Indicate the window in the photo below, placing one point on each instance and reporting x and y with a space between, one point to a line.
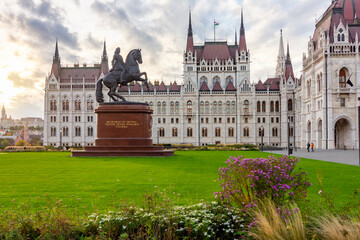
233 107
164 108
77 118
258 106
274 132
217 132
90 118
174 132
202 107
65 118
228 120
177 107
277 106
53 119
207 120
214 107
207 107
77 104
259 120
263 106
342 102
164 120
177 120
158 107
65 104
90 104
246 106
342 78
220 120
53 104
233 120
246 120
77 131
231 132
53 131
189 132
202 120
204 132
308 88
272 120
220 108
161 132
159 120
90 131
189 120
290 105
172 120
215 120
65 131
263 120
228 107
189 107
172 107
151 105
291 131
246 132
277 120
272 106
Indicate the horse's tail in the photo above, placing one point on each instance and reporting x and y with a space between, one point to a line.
99 93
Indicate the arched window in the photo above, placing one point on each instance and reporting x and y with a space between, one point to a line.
342 78
174 132
233 107
231 132
151 105
277 106
90 131
272 106
53 104
77 104
65 104
263 106
65 132
159 107
189 107
228 107
77 131
53 131
338 37
214 107
220 108
246 132
172 105
290 105
177 107
343 37
217 132
291 131
204 132
161 132
246 106
228 80
207 107
203 79
90 104
164 107
274 132
189 132
202 107
215 80
258 106
308 88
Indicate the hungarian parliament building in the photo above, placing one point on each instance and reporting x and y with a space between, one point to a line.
217 103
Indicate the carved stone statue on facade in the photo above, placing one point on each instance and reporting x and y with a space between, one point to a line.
121 74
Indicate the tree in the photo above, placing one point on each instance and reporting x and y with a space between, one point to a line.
21 143
5 143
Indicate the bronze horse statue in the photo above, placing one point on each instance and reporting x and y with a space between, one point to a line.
132 73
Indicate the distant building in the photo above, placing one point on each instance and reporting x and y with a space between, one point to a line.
216 101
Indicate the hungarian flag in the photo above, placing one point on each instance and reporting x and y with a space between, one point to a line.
215 23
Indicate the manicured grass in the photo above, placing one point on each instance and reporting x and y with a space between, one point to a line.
101 183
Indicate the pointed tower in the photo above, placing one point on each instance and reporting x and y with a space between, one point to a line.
3 113
26 133
190 40
55 69
104 61
242 40
288 66
280 63
236 42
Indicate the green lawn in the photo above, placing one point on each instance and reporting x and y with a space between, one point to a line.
100 183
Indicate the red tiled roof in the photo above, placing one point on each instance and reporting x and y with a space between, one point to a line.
289 72
275 85
174 87
80 72
161 87
123 89
216 50
217 87
230 87
204 87
145 89
270 80
135 88
242 43
260 86
190 44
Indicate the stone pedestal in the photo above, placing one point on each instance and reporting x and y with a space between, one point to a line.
123 129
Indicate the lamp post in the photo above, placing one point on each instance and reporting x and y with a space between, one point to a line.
158 136
60 138
262 138
288 127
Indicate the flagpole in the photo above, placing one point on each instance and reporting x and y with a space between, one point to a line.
214 30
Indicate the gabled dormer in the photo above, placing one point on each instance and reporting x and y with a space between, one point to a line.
341 32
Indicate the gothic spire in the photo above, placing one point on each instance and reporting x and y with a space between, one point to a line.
56 58
289 72
242 40
190 40
3 112
281 54
280 65
288 60
235 37
104 57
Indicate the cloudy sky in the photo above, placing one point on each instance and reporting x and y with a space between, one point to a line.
29 29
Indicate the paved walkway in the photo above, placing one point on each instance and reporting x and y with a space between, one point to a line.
339 156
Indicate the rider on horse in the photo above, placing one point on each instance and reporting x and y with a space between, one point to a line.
118 65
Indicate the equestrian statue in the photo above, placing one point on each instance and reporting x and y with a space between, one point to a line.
121 74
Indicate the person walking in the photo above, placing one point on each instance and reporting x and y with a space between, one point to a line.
308 146
312 146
